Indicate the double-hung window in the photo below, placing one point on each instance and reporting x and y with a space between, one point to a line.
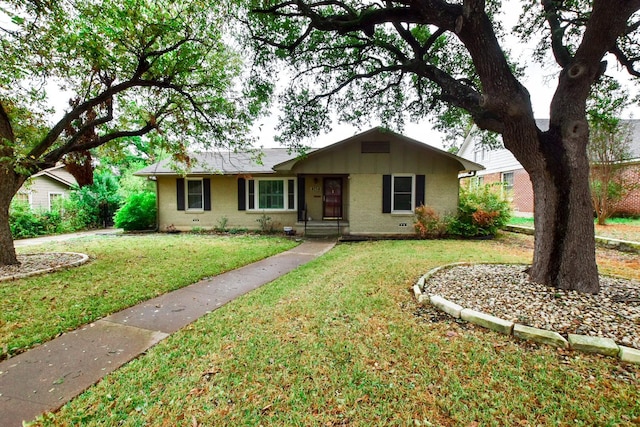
54 199
507 181
195 194
403 190
271 194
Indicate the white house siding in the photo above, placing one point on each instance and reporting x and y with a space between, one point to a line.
39 188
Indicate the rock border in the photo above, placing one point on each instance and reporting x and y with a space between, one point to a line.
583 343
84 258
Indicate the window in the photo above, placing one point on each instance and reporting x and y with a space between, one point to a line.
21 198
479 153
507 181
271 194
54 200
402 191
477 181
195 194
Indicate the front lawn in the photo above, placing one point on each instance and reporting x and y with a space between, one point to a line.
341 341
124 270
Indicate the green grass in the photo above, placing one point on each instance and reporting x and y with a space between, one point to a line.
615 228
341 341
626 221
635 222
524 221
123 271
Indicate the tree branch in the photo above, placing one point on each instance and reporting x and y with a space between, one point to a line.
560 51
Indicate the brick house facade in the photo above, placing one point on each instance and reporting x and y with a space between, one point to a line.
501 166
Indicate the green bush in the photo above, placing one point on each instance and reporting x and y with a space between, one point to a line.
24 222
481 212
96 204
138 212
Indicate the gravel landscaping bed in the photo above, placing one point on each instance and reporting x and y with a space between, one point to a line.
505 291
31 264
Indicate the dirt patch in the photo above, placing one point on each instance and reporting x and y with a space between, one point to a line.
619 231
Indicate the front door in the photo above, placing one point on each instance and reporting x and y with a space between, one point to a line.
332 198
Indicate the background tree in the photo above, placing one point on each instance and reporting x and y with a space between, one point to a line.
609 147
389 59
131 67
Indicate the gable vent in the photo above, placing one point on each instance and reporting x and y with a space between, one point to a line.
374 147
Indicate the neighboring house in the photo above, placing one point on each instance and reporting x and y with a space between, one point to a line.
368 184
43 188
501 166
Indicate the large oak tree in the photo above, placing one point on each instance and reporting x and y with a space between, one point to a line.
130 68
420 57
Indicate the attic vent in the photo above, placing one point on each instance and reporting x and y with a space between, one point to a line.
374 147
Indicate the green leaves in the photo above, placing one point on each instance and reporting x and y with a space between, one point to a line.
131 67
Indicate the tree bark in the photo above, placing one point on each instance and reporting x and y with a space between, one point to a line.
7 250
10 182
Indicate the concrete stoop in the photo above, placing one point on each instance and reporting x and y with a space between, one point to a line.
583 343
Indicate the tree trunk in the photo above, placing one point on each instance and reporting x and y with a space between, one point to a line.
10 182
564 254
557 163
7 250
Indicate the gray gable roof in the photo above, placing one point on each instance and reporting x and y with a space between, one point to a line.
227 163
273 160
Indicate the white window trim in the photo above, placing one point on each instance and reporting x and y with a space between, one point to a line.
393 192
51 193
256 195
186 195
513 179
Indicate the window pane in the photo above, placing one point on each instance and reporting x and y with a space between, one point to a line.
194 194
402 193
271 194
507 179
402 202
402 184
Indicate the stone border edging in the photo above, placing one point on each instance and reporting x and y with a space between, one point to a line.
84 258
583 343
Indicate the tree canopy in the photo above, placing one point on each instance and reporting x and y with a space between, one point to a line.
130 68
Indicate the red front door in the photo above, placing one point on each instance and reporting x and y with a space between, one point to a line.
332 198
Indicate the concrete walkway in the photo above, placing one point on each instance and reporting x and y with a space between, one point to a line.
46 377
22 243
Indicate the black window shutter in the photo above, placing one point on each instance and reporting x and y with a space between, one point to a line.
419 190
386 193
242 194
301 198
206 187
180 193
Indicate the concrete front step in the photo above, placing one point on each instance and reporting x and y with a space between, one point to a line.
324 228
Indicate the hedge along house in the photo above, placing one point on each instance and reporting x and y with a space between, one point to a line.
368 184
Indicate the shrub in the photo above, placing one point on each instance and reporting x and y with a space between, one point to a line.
481 212
96 203
428 224
23 222
138 212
